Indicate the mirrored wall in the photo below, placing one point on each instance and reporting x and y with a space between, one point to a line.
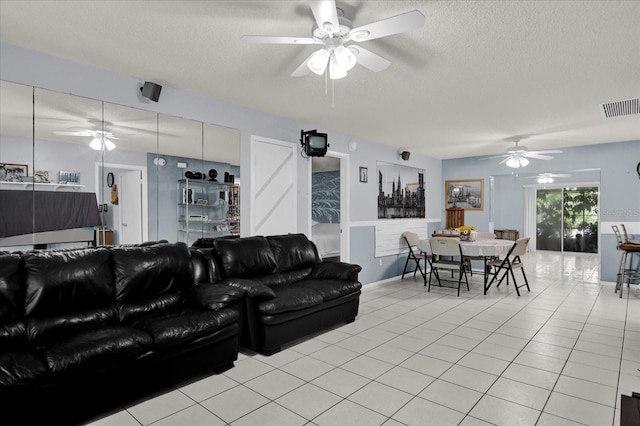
78 171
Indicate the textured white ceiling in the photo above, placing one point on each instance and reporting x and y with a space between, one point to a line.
477 74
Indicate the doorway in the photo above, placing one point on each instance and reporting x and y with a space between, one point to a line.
328 206
567 219
136 207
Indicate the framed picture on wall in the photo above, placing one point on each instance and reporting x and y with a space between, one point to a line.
467 194
364 174
13 172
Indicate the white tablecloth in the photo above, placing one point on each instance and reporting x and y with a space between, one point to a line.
482 247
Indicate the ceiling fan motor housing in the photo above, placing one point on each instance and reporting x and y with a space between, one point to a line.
322 34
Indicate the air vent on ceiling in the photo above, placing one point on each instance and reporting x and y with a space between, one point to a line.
620 108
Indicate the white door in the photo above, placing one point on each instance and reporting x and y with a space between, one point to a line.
274 187
130 202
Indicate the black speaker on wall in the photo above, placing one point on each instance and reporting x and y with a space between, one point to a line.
151 91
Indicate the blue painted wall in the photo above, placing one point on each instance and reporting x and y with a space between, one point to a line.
611 165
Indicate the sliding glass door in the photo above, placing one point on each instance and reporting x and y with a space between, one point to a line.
567 219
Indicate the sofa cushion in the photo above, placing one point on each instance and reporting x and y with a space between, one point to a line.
245 257
43 330
11 289
290 298
64 281
96 349
20 368
283 278
145 272
332 289
184 326
293 251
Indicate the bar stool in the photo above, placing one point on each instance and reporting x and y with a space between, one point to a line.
629 274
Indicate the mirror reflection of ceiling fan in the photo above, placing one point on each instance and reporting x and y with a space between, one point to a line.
544 178
334 31
100 140
517 156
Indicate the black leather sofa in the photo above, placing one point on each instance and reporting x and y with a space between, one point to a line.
83 331
291 293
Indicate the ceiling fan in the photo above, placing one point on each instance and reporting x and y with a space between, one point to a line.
544 178
517 155
100 141
334 31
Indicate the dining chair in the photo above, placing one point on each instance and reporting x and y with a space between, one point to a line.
481 236
510 262
415 255
447 254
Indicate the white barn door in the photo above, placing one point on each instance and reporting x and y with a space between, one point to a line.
274 203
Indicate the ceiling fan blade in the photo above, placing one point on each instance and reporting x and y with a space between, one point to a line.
551 151
495 156
324 11
537 156
505 160
259 39
73 133
386 27
303 68
370 60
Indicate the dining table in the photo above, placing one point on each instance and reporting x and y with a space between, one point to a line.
487 248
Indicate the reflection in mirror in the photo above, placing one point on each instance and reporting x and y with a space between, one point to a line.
16 162
123 184
65 129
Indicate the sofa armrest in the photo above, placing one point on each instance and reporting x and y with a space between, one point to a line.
336 271
250 287
215 296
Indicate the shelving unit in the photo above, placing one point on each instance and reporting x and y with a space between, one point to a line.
207 209
40 186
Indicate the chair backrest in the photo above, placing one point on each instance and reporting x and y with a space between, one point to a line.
520 246
411 238
486 236
625 236
617 232
445 246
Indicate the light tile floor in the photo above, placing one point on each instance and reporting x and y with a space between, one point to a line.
559 355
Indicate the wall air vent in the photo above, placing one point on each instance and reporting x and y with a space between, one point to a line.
620 108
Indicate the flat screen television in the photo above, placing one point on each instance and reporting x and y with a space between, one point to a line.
314 143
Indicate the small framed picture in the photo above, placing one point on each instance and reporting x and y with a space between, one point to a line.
364 174
13 172
41 176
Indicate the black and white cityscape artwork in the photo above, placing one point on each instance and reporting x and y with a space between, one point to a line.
400 191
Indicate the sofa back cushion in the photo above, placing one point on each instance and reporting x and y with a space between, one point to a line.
293 251
11 288
245 257
65 281
151 278
67 290
12 329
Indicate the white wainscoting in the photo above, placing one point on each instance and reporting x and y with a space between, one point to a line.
389 239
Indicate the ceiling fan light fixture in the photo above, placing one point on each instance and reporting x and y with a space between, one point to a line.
109 145
98 145
516 162
95 144
545 179
345 57
318 61
336 71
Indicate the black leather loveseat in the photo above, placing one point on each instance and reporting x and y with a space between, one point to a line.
85 330
291 292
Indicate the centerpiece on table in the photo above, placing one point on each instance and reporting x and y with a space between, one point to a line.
468 233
